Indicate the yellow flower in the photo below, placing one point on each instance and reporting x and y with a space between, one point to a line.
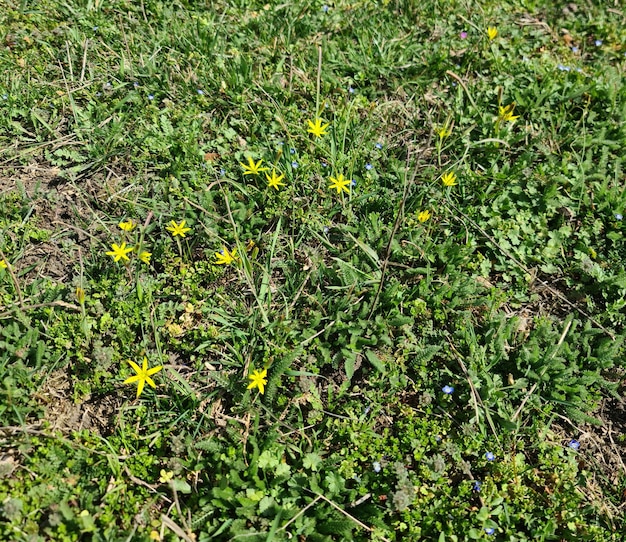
448 179
275 181
145 256
166 476
225 257
505 114
154 535
424 216
119 252
143 375
258 380
129 225
3 264
177 229
492 32
316 128
252 168
340 184
444 132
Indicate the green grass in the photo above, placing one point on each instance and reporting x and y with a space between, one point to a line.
443 362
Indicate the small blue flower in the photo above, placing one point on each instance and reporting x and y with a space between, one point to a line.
598 43
150 97
618 216
477 486
292 151
368 166
95 28
489 530
376 466
294 164
135 84
324 164
489 456
5 97
200 91
326 229
222 172
98 93
563 68
379 145
280 143
448 390
107 85
350 90
325 8
574 444
352 182
574 49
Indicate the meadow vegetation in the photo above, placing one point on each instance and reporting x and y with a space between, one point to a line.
305 271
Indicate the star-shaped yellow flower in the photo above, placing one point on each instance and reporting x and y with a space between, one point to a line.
444 132
424 216
129 225
506 113
492 32
316 128
177 229
119 252
258 380
225 257
3 264
340 184
252 168
275 181
144 256
143 375
448 179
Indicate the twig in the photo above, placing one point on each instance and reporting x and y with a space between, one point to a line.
351 517
477 398
509 255
534 386
396 225
455 76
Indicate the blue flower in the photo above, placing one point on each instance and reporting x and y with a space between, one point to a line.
376 466
200 91
135 84
563 68
326 229
292 151
490 530
368 166
477 486
618 216
574 444
448 390
574 49
150 96
490 456
294 164
350 90
222 172
379 145
325 8
598 43
352 182
5 97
